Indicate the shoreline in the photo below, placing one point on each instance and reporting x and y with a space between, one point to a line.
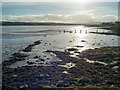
69 73
106 33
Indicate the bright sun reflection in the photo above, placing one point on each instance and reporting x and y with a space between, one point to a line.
81 34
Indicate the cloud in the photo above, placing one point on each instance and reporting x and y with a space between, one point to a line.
79 17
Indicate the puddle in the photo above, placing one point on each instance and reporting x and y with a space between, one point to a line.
91 61
114 62
65 72
68 65
115 67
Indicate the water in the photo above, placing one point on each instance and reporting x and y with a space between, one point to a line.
16 38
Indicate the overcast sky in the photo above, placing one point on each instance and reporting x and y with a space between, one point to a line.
63 12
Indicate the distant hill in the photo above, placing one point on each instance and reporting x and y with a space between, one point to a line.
34 23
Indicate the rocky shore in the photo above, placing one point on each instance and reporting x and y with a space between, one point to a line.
94 68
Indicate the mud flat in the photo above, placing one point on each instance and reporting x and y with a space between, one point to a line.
69 73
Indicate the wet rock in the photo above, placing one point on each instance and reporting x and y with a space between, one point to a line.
83 84
96 48
66 85
97 64
79 46
84 79
37 42
19 55
72 49
42 75
94 81
28 49
37 61
83 41
42 59
36 57
103 84
76 52
15 57
24 86
52 64
93 44
60 84
48 51
28 62
45 43
47 58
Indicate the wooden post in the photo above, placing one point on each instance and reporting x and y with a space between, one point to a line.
80 31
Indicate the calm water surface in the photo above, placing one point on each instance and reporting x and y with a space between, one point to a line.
16 38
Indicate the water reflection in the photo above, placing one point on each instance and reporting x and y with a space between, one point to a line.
74 37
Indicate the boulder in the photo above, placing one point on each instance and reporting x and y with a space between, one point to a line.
37 42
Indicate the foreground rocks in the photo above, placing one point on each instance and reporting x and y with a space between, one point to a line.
29 47
82 75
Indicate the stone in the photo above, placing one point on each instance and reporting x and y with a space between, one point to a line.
28 62
84 79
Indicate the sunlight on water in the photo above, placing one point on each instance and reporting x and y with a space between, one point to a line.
53 38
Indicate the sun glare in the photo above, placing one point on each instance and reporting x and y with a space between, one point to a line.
84 1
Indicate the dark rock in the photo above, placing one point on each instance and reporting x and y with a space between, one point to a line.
79 46
60 84
37 42
48 51
66 85
94 81
36 57
97 64
30 62
42 59
76 52
47 58
19 55
28 49
84 79
37 61
72 49
83 84
83 41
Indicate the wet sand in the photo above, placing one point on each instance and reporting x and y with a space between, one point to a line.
71 72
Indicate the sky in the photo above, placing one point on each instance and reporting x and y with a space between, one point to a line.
60 12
